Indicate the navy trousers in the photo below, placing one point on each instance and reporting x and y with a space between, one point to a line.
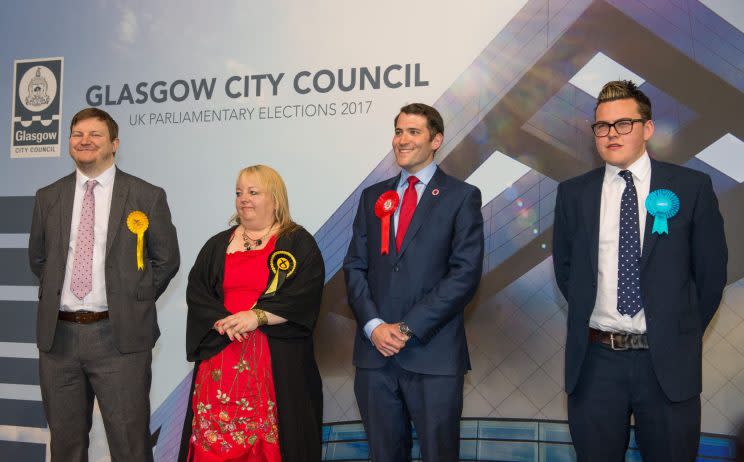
389 398
615 384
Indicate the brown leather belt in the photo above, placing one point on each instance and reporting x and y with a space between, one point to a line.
619 340
82 317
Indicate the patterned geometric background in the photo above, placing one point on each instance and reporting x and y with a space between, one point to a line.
517 123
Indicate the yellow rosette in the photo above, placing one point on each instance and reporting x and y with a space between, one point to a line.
283 265
137 222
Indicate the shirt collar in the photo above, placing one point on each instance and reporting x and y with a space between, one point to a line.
424 175
105 179
640 169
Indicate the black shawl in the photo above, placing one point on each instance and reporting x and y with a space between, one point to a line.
297 382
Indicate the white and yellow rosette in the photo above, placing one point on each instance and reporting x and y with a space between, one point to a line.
137 222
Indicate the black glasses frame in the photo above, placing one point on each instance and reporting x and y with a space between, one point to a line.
600 127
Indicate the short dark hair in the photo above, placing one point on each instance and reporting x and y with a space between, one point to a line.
625 89
434 120
100 114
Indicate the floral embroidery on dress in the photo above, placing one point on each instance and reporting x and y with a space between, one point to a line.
240 409
243 405
202 408
222 397
242 366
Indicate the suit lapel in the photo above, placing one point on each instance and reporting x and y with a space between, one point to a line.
118 200
427 201
660 179
590 210
67 201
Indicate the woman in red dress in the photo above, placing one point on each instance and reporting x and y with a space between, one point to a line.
254 296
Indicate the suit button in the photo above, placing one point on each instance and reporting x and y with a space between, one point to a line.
396 268
594 284
59 291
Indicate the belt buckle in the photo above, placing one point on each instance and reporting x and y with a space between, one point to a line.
82 316
612 343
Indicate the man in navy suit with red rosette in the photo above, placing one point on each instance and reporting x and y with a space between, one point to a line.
640 255
414 262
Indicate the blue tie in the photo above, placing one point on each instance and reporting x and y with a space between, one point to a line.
629 255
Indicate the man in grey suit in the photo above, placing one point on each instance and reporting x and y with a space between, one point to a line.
104 249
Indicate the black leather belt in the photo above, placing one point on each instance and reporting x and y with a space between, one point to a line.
619 340
82 317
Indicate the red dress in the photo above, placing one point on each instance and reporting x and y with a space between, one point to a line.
234 403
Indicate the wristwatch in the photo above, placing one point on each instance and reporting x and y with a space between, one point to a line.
405 330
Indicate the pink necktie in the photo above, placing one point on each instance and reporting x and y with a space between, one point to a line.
410 198
82 267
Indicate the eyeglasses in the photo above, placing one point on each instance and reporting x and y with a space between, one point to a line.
622 127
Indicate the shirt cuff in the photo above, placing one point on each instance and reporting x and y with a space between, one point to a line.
371 325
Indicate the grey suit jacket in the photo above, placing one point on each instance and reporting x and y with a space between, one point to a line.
131 293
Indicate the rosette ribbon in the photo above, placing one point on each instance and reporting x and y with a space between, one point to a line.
662 204
283 265
384 209
137 222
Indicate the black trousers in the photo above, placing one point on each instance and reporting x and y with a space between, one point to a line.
615 384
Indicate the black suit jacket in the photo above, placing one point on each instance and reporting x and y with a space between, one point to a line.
427 284
683 273
130 293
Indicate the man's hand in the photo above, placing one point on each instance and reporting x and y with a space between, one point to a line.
388 339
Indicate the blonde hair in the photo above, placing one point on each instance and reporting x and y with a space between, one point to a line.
275 187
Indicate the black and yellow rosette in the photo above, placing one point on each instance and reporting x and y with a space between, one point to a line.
137 222
283 264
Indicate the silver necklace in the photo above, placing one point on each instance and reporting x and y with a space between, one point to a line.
250 243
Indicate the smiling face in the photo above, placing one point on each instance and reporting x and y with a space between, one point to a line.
91 146
622 150
254 204
413 144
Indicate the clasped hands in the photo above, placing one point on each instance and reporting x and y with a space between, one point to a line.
237 325
388 339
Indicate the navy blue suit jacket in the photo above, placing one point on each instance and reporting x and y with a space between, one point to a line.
683 273
427 284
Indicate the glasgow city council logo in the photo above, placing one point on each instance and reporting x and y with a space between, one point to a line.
37 103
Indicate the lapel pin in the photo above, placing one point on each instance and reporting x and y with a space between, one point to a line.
435 192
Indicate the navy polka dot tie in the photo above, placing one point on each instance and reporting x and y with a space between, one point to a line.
629 254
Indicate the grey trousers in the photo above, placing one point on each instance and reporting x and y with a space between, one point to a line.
84 363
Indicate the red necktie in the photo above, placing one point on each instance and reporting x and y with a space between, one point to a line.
406 211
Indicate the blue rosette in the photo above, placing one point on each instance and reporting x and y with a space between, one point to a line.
662 204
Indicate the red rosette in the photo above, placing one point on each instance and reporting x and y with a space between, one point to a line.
385 206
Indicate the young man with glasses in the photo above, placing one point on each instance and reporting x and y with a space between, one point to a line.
640 254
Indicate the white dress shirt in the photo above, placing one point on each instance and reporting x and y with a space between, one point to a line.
103 191
605 316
